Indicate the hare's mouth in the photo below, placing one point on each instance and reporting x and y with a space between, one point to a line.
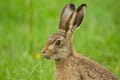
47 57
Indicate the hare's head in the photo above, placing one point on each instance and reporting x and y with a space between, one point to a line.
59 45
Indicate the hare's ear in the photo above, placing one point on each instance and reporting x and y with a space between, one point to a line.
77 17
65 15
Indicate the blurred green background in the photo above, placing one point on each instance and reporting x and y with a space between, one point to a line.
26 24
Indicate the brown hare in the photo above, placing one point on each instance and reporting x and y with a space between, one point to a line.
69 64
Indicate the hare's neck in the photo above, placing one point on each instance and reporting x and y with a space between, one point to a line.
71 49
63 67
64 62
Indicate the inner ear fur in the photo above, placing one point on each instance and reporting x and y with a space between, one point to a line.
76 18
81 10
65 16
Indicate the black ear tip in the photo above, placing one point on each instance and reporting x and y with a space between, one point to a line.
85 5
72 6
82 6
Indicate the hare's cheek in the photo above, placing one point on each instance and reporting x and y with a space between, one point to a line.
51 49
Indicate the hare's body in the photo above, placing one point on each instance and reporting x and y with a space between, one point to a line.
69 65
79 67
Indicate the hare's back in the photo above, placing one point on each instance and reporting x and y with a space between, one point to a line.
91 70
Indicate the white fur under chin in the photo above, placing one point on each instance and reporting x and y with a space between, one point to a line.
59 56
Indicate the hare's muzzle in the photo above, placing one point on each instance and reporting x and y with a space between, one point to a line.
44 54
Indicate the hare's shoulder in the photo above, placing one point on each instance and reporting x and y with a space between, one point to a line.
92 70
88 64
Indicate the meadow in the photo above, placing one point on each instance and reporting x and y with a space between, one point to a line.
25 26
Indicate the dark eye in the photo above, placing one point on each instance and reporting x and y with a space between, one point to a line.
58 42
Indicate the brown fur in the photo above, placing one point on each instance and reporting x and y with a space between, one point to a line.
79 67
70 65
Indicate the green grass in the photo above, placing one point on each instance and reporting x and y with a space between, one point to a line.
25 26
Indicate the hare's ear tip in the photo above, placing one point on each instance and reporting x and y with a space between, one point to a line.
72 6
84 5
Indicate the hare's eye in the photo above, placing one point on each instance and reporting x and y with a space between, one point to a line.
58 42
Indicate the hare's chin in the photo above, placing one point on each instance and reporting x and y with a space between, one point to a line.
47 58
55 57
